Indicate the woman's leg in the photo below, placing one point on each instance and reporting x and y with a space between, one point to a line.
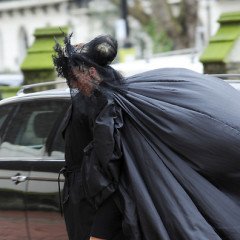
107 223
78 213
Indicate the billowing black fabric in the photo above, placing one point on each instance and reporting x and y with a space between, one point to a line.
102 160
178 132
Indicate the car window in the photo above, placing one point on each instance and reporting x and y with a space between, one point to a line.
4 111
58 147
29 129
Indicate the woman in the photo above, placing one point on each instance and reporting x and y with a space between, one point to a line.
85 214
164 149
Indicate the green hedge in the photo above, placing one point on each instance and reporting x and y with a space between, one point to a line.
7 91
39 55
222 43
49 31
229 17
38 76
38 61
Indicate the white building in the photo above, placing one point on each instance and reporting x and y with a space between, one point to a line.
19 19
210 11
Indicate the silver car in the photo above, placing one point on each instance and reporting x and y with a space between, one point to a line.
31 156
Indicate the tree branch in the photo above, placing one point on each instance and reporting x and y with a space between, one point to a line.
189 21
137 12
162 13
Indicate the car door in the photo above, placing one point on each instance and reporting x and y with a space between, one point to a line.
30 172
43 205
12 195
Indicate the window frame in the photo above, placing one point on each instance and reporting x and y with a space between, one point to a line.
46 155
7 121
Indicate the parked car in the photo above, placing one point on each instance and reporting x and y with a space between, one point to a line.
31 156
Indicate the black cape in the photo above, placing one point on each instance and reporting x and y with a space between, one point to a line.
171 145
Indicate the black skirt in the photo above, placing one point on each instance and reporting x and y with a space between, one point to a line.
83 220
107 222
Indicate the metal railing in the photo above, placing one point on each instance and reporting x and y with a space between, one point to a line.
30 86
177 52
225 75
229 76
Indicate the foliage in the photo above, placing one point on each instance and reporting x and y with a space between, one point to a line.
50 31
39 55
40 61
161 42
173 32
7 91
222 43
229 17
36 76
43 44
38 64
103 18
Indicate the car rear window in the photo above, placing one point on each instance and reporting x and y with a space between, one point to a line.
31 126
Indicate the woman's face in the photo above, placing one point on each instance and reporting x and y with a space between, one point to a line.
86 81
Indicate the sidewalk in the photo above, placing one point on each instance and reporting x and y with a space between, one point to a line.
42 226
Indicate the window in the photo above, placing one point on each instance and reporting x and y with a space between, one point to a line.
57 148
4 110
30 128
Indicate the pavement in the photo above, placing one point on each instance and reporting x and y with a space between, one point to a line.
40 226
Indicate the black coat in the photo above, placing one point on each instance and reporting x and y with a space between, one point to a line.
82 123
171 145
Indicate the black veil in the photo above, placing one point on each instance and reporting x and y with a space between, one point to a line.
98 53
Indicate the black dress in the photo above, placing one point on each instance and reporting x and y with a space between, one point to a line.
84 219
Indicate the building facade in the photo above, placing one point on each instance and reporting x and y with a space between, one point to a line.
19 19
86 19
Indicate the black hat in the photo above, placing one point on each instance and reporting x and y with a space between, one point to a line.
102 49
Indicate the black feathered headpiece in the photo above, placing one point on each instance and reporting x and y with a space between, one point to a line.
98 53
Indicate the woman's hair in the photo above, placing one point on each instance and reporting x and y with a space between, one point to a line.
98 53
102 49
